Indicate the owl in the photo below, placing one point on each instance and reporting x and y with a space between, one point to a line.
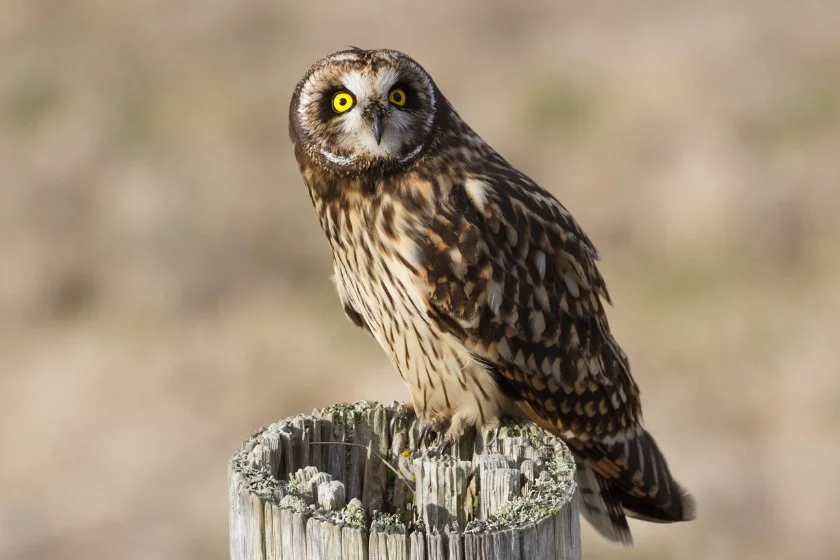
479 285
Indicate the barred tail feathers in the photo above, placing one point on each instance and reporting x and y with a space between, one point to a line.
600 507
648 489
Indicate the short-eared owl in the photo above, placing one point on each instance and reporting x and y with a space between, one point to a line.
478 284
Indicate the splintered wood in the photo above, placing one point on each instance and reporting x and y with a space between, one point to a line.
347 483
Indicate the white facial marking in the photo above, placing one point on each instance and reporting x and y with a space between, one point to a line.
354 126
404 130
335 158
306 98
359 85
386 79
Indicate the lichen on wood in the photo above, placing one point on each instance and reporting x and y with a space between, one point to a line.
338 484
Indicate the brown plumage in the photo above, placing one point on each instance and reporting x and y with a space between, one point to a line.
478 284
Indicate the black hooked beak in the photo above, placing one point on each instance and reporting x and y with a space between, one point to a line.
376 114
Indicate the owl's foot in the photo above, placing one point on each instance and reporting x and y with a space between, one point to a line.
458 425
441 433
433 430
448 431
446 444
404 413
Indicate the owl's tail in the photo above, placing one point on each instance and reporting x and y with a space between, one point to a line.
600 506
628 478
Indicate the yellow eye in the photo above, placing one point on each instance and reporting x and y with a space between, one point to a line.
342 101
397 97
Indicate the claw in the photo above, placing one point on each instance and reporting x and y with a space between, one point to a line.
427 429
446 444
433 430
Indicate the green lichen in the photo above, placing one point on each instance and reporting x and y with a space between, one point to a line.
351 515
387 523
293 503
354 515
258 481
292 499
360 407
542 498
292 486
548 494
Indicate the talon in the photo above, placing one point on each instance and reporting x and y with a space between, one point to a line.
434 430
446 444
425 431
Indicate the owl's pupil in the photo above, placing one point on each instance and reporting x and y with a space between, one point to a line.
342 102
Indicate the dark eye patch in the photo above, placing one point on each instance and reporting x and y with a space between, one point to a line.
412 101
325 110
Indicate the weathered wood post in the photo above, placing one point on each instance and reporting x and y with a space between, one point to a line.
317 487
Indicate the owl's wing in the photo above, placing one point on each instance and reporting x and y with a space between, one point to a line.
510 274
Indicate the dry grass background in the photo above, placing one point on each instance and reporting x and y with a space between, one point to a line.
165 290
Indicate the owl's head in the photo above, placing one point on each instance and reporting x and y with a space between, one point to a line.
356 110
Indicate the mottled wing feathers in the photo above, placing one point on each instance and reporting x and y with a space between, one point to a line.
511 275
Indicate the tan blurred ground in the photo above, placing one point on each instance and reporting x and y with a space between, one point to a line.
165 287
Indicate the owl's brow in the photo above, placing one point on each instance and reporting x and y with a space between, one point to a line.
387 77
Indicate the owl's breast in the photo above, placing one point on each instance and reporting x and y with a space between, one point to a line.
375 270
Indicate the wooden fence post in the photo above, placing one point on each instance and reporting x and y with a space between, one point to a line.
317 487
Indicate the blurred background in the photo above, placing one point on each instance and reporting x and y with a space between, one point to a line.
165 285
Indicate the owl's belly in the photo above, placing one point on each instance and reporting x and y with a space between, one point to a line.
443 379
